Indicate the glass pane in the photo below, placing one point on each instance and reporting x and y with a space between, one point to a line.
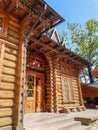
70 90
30 93
31 78
30 85
65 91
1 23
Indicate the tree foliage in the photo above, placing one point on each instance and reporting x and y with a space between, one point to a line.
84 40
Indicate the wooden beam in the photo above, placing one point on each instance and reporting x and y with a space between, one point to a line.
11 6
24 23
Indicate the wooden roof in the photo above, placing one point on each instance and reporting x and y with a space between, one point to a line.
47 46
36 13
89 91
95 71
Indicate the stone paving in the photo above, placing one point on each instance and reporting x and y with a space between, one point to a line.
39 121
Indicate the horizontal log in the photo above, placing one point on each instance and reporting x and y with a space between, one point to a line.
7 86
6 103
9 71
6 112
13 34
10 64
75 88
10 57
14 29
7 78
9 43
76 92
76 99
49 105
10 50
6 94
59 102
5 121
14 40
14 24
14 19
75 83
48 88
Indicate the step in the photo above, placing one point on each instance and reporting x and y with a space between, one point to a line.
42 118
81 127
56 121
59 126
86 120
67 126
50 117
51 122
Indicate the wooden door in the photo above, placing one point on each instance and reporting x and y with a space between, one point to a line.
34 101
30 93
40 100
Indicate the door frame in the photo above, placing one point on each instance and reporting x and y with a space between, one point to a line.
36 74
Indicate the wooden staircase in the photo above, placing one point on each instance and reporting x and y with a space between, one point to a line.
52 121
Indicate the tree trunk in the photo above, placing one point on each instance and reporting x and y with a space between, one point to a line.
90 75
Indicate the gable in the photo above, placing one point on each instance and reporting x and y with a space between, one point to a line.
54 36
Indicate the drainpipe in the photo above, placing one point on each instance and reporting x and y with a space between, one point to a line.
45 7
24 60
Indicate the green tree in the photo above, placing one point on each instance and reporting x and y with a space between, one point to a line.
85 41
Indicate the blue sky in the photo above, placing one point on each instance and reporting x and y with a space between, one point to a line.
78 11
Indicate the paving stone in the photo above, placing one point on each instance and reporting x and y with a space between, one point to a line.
58 121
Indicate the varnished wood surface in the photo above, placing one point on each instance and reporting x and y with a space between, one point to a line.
36 102
89 91
49 95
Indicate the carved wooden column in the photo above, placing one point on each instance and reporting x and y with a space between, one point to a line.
18 92
57 84
50 86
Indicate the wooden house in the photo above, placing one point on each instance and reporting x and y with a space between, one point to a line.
90 91
37 74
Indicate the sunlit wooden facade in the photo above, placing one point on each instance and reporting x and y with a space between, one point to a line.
37 73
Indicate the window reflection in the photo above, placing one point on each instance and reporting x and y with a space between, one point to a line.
1 23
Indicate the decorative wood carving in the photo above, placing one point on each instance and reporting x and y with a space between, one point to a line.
35 63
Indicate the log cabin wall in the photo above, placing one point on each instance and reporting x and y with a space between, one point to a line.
54 88
73 76
9 75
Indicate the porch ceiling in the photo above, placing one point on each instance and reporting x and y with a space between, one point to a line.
49 47
29 11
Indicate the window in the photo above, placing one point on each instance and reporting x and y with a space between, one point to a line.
30 84
3 25
67 89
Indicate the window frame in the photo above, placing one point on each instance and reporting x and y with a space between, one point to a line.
4 30
68 92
